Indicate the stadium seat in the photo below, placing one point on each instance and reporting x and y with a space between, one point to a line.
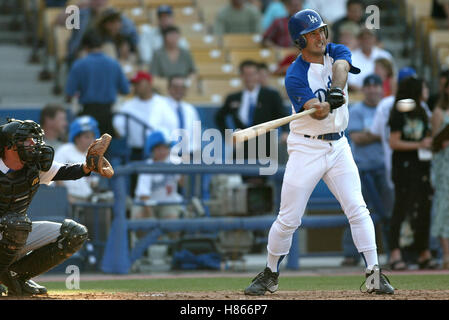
439 38
267 56
209 56
218 89
160 84
192 29
216 70
125 4
233 41
202 42
186 15
173 3
138 15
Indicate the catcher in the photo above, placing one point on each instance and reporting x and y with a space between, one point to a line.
28 249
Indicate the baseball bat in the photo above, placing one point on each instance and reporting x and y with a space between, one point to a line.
254 131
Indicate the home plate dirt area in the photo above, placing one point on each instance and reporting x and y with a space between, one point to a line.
411 285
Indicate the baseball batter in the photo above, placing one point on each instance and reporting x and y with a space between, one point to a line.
318 150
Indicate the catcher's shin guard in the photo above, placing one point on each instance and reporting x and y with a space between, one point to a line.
73 235
14 231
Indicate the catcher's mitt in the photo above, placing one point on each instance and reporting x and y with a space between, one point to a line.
95 160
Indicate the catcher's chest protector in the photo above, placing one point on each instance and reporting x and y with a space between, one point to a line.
17 190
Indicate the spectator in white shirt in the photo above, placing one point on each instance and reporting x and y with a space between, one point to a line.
365 57
138 116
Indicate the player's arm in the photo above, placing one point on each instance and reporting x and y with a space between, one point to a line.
73 171
340 70
335 95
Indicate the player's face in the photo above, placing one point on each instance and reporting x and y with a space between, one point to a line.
316 41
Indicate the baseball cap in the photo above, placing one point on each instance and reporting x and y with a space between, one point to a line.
405 73
164 9
141 75
372 79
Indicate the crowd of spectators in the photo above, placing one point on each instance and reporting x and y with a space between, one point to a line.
109 52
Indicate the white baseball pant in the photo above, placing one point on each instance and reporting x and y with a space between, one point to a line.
309 161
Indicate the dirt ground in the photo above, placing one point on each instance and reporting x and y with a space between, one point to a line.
232 295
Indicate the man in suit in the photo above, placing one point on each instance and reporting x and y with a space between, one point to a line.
254 104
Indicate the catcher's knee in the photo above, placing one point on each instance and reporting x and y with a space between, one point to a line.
14 231
73 236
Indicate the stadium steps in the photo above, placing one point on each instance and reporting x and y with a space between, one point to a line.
20 85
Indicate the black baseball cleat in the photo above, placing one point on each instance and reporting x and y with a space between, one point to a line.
263 282
377 282
19 287
31 283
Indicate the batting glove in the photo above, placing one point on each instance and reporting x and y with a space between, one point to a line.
335 97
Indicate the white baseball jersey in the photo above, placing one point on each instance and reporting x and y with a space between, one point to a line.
305 81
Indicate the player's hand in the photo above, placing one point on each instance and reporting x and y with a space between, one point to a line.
322 110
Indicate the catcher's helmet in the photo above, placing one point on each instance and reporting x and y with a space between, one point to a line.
16 132
303 22
83 124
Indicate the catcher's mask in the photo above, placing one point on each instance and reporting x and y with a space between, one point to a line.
27 137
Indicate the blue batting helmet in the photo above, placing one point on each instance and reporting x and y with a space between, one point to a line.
303 22
154 139
83 124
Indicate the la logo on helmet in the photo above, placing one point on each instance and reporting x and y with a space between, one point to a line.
313 19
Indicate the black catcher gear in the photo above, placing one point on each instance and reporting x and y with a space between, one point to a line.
17 189
73 235
14 231
15 134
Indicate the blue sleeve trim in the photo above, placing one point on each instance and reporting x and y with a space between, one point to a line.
297 84
341 52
